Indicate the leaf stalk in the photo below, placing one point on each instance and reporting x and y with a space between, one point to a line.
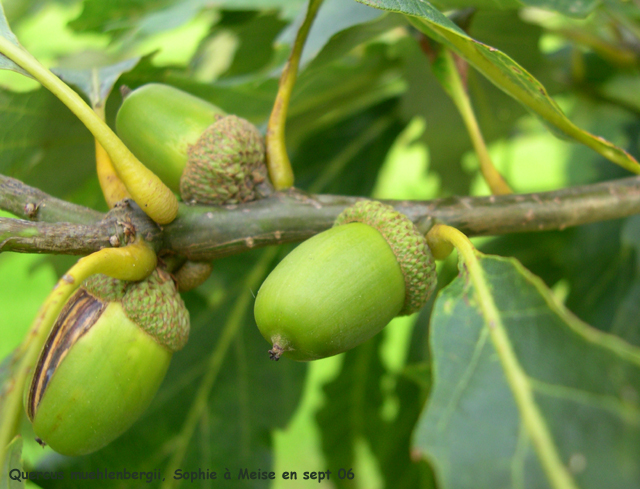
278 163
447 72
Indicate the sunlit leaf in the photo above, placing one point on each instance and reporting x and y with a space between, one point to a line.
503 72
572 8
118 16
334 16
5 31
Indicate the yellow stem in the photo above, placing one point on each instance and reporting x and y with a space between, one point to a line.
133 262
153 196
112 187
517 378
456 90
440 248
278 163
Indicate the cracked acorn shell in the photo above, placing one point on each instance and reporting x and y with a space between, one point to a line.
344 285
104 360
207 156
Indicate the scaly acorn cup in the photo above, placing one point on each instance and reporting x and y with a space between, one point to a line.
193 146
104 360
342 286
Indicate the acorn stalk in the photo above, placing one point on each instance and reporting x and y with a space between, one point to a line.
148 191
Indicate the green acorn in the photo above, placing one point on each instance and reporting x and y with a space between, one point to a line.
207 156
104 360
341 287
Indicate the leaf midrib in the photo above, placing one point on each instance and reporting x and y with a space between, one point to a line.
518 381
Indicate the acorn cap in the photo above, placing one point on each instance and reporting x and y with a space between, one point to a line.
154 304
407 243
225 165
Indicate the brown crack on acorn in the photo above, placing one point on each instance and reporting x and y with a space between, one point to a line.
77 317
104 360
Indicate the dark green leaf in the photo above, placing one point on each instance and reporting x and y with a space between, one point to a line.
256 34
43 144
327 96
345 40
345 158
353 413
530 396
599 271
625 322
